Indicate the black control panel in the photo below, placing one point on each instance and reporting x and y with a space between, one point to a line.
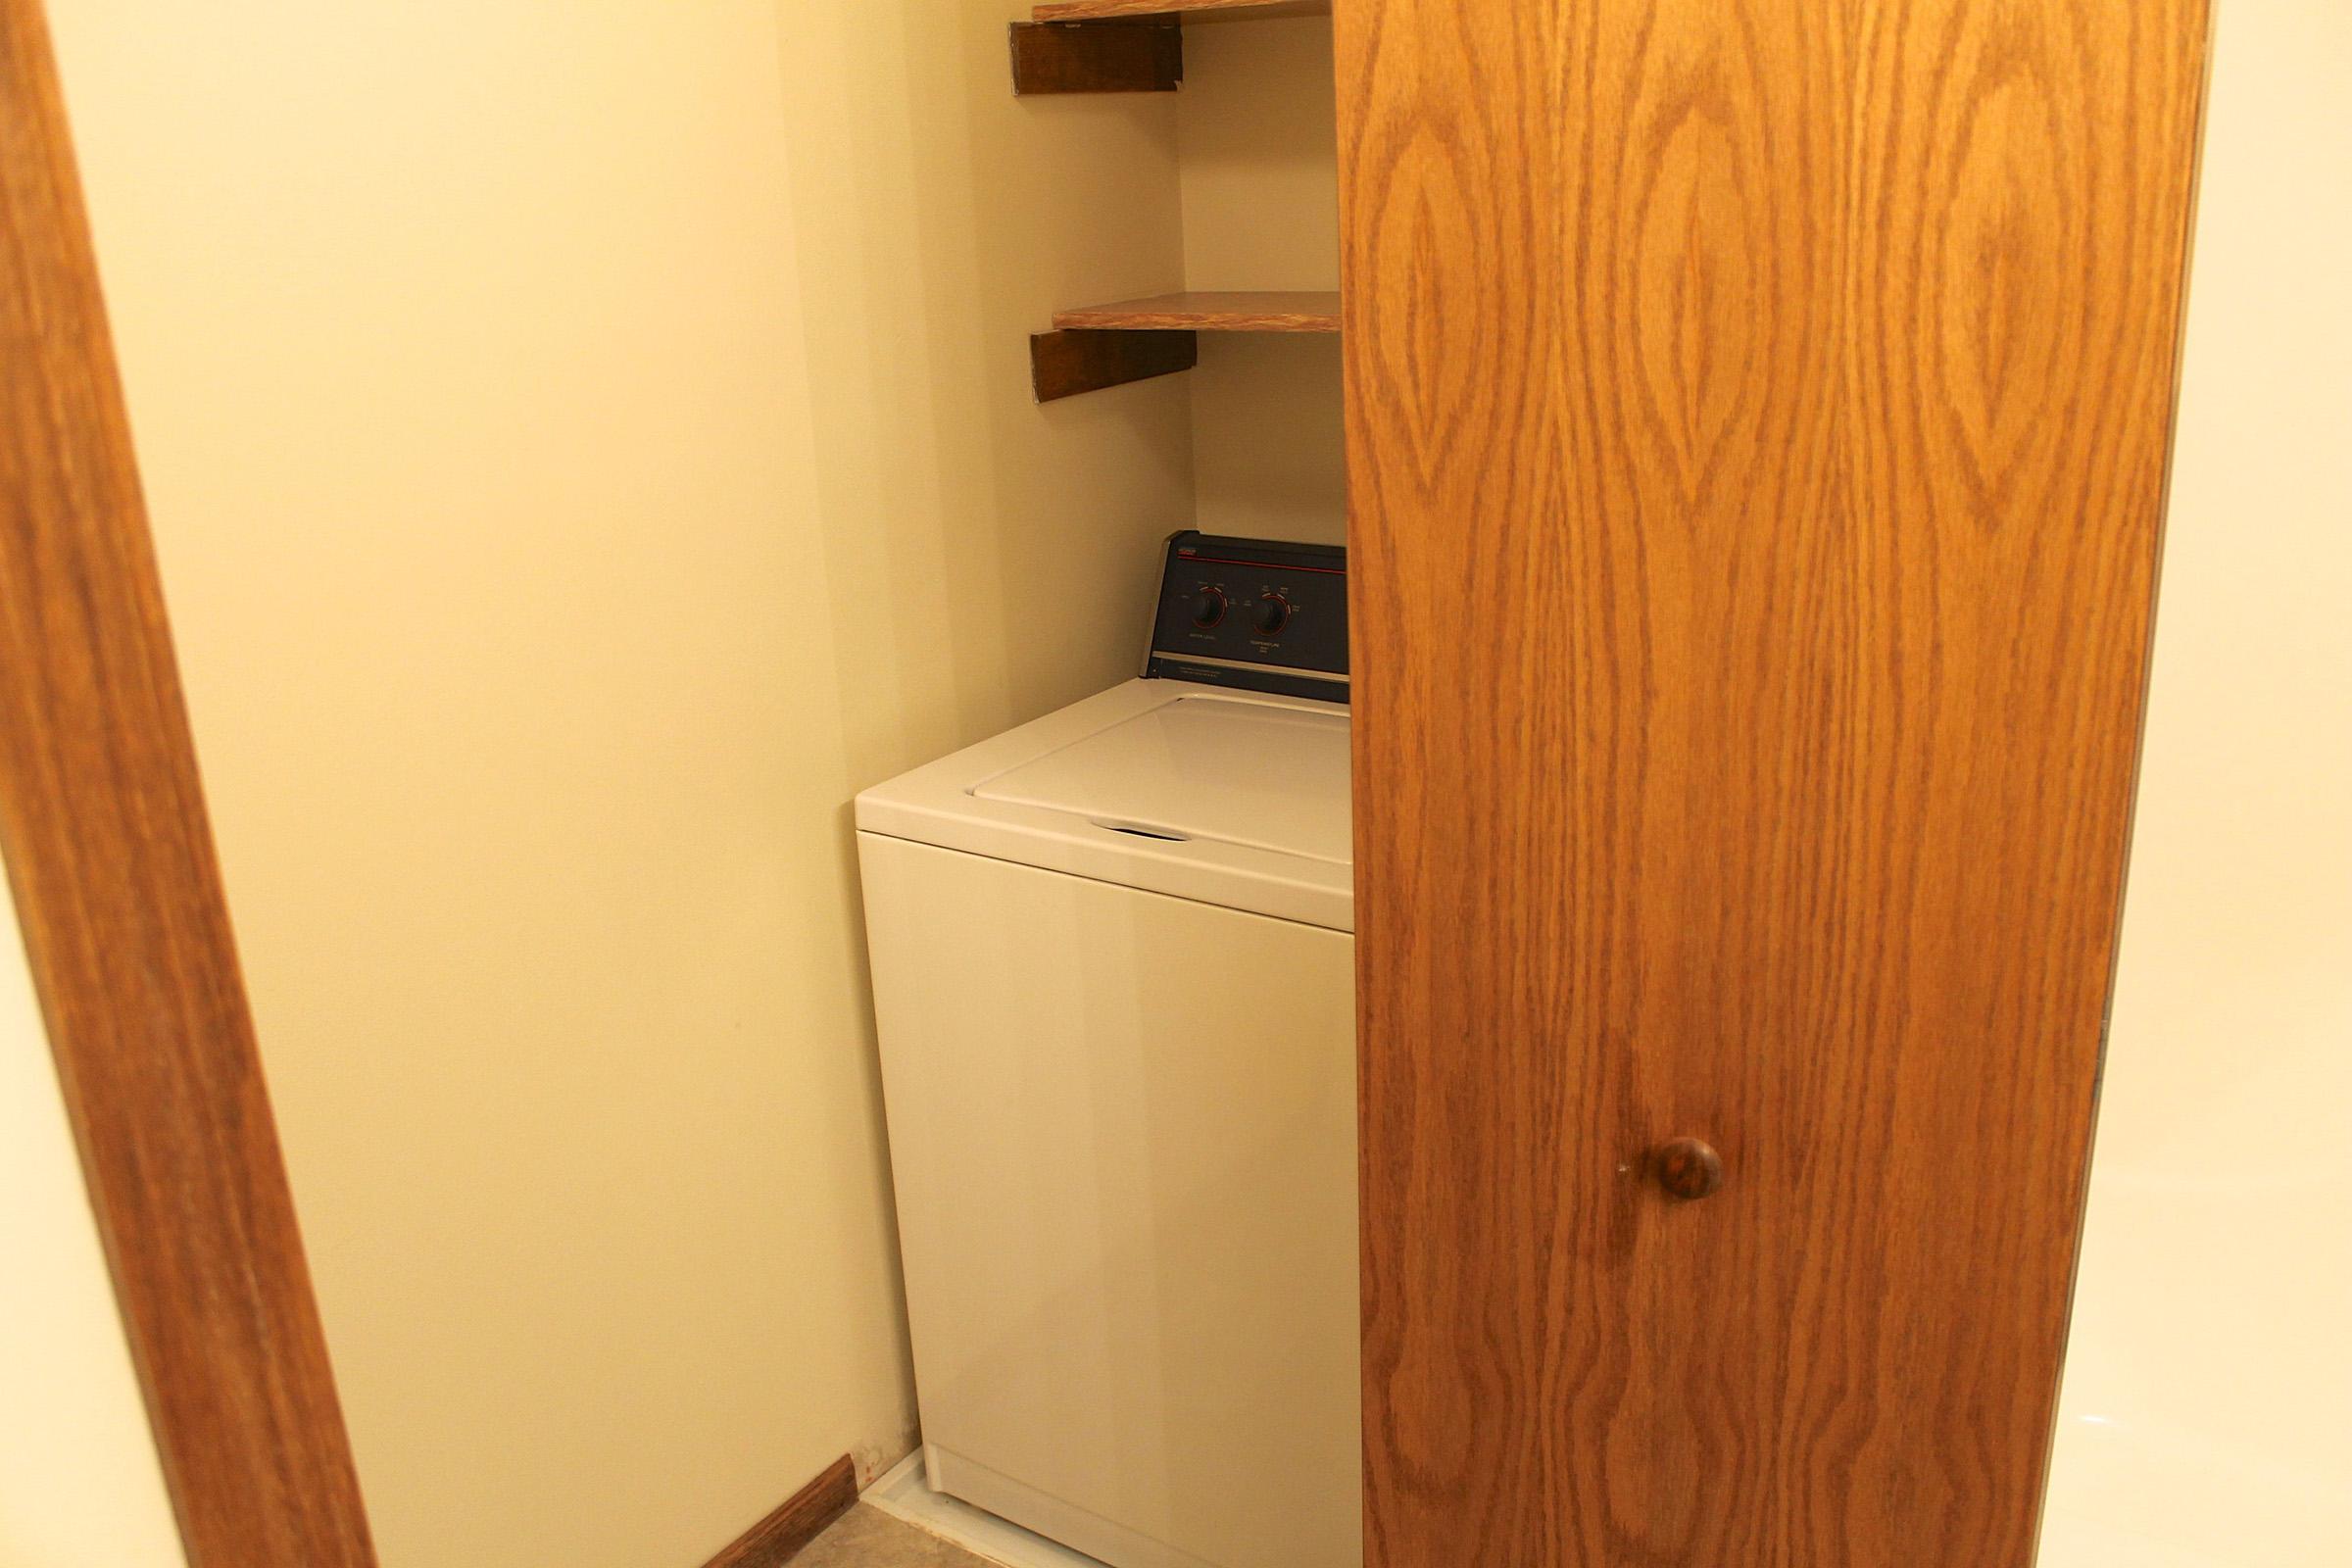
1256 614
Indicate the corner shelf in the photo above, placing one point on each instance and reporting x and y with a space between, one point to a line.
1074 46
1298 310
1204 10
1098 346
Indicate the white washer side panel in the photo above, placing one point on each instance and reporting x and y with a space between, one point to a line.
1122 1128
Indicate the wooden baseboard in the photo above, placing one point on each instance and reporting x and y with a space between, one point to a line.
775 1539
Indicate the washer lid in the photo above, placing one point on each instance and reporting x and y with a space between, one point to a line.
1217 766
1232 798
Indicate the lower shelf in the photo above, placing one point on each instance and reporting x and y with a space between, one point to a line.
1064 363
1294 310
1097 346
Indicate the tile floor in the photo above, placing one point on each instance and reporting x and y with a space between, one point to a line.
868 1538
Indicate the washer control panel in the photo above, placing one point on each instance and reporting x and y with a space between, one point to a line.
1259 613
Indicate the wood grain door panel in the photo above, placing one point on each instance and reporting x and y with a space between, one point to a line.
1758 418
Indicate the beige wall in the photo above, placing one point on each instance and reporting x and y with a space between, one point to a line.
1259 136
987 559
79 1478
586 443
2208 1370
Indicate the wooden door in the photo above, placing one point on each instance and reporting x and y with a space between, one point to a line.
1758 416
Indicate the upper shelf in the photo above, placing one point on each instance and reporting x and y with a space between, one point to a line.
1300 311
1122 45
1197 9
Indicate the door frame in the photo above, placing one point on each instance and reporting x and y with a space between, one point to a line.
110 855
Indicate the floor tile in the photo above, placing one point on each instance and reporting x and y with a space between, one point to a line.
868 1537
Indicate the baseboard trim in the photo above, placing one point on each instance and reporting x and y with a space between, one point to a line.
775 1539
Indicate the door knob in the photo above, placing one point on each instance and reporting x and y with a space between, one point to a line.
1688 1169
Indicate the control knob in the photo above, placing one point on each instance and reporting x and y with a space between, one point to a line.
1271 614
1209 607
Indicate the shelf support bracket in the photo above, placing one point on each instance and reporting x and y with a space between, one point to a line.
1079 359
1141 54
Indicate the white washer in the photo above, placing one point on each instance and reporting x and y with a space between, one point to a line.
1114 974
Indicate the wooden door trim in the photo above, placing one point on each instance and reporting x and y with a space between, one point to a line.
118 889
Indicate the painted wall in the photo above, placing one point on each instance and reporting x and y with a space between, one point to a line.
78 1478
1257 133
989 558
2208 1370
587 442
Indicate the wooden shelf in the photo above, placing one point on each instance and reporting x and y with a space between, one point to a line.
1123 45
1299 311
1187 10
1098 346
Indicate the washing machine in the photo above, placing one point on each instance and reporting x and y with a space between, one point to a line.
1113 978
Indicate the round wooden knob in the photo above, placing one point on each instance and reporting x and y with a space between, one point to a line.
1689 1168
